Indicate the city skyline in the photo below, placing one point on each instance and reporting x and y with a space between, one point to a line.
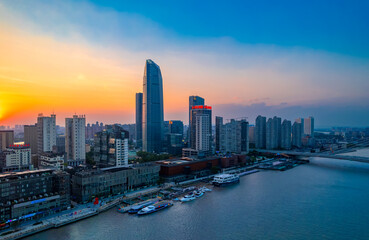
114 110
266 72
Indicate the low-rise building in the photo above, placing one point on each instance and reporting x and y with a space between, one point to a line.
88 184
51 161
16 158
33 194
187 168
190 153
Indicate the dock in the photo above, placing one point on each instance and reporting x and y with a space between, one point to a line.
73 216
80 214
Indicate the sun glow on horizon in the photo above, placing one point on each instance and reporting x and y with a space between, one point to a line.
79 57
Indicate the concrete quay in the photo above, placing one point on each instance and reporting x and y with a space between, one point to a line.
74 215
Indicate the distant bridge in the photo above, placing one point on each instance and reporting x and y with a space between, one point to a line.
321 155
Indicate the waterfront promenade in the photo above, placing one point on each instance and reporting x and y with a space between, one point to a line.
318 155
323 199
82 211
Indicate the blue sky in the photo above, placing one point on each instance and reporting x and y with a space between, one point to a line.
334 26
289 58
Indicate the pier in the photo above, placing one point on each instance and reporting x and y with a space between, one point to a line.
73 216
90 211
320 155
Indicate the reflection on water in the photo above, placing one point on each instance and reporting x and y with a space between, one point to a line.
326 199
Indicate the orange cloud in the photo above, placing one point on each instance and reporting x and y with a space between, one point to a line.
95 68
42 74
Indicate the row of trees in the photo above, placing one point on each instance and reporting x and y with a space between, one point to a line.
151 157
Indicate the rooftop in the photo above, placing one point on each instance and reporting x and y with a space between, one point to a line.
184 160
20 174
19 146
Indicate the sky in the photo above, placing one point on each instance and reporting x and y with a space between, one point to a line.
287 58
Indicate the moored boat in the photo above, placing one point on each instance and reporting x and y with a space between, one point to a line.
226 179
137 207
187 198
123 209
205 189
198 194
155 207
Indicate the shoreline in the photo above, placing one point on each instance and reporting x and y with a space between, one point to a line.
87 212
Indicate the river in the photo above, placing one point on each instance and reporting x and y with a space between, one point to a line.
325 199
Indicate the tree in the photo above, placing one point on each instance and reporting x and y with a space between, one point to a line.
151 157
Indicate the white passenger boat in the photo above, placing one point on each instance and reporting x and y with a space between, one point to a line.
205 189
187 198
225 179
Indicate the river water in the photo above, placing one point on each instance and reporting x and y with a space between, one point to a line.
326 199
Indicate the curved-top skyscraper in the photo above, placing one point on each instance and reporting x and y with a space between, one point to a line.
152 109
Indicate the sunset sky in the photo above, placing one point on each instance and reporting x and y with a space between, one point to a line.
291 58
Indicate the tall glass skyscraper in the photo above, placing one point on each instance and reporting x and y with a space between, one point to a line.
139 120
152 108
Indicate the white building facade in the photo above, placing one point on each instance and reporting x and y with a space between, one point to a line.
16 157
46 133
121 152
202 133
52 161
75 138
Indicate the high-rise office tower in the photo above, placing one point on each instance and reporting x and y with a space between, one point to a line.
286 135
193 101
174 137
139 120
174 142
234 137
218 130
260 132
252 134
166 128
302 125
273 133
111 147
245 140
152 108
60 145
46 133
309 126
201 129
203 143
296 134
269 140
6 139
30 137
175 126
75 143
277 124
